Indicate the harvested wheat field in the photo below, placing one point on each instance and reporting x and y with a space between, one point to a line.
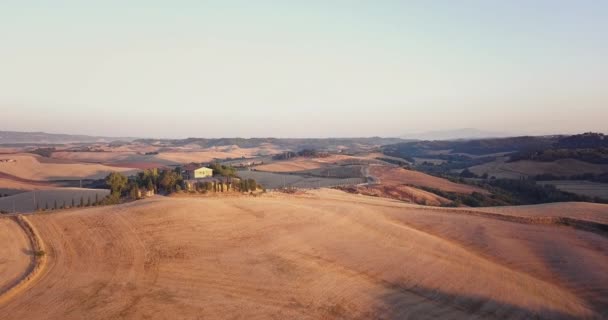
395 176
398 192
90 156
299 164
14 254
211 154
322 255
115 159
33 167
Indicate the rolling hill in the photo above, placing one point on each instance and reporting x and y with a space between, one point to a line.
322 255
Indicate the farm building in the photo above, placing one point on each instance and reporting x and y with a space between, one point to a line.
197 172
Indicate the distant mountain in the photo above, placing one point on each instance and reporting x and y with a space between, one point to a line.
456 134
16 137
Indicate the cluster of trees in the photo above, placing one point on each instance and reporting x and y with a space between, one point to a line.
452 163
588 140
244 185
589 147
45 152
527 191
223 170
285 155
85 149
310 153
405 163
154 180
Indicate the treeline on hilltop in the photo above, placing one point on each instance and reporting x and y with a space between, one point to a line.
430 149
583 141
589 147
597 155
309 153
520 147
458 155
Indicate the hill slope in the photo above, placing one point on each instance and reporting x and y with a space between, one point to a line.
36 168
324 255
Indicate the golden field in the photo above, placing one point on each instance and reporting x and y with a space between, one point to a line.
324 254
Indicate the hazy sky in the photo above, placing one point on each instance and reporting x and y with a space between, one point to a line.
302 68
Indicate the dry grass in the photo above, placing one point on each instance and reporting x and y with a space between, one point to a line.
322 255
32 167
295 165
108 157
399 192
15 256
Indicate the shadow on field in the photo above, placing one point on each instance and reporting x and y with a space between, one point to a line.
425 303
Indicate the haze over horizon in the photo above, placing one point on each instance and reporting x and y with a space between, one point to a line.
213 69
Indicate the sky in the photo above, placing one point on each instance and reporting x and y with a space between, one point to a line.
178 69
